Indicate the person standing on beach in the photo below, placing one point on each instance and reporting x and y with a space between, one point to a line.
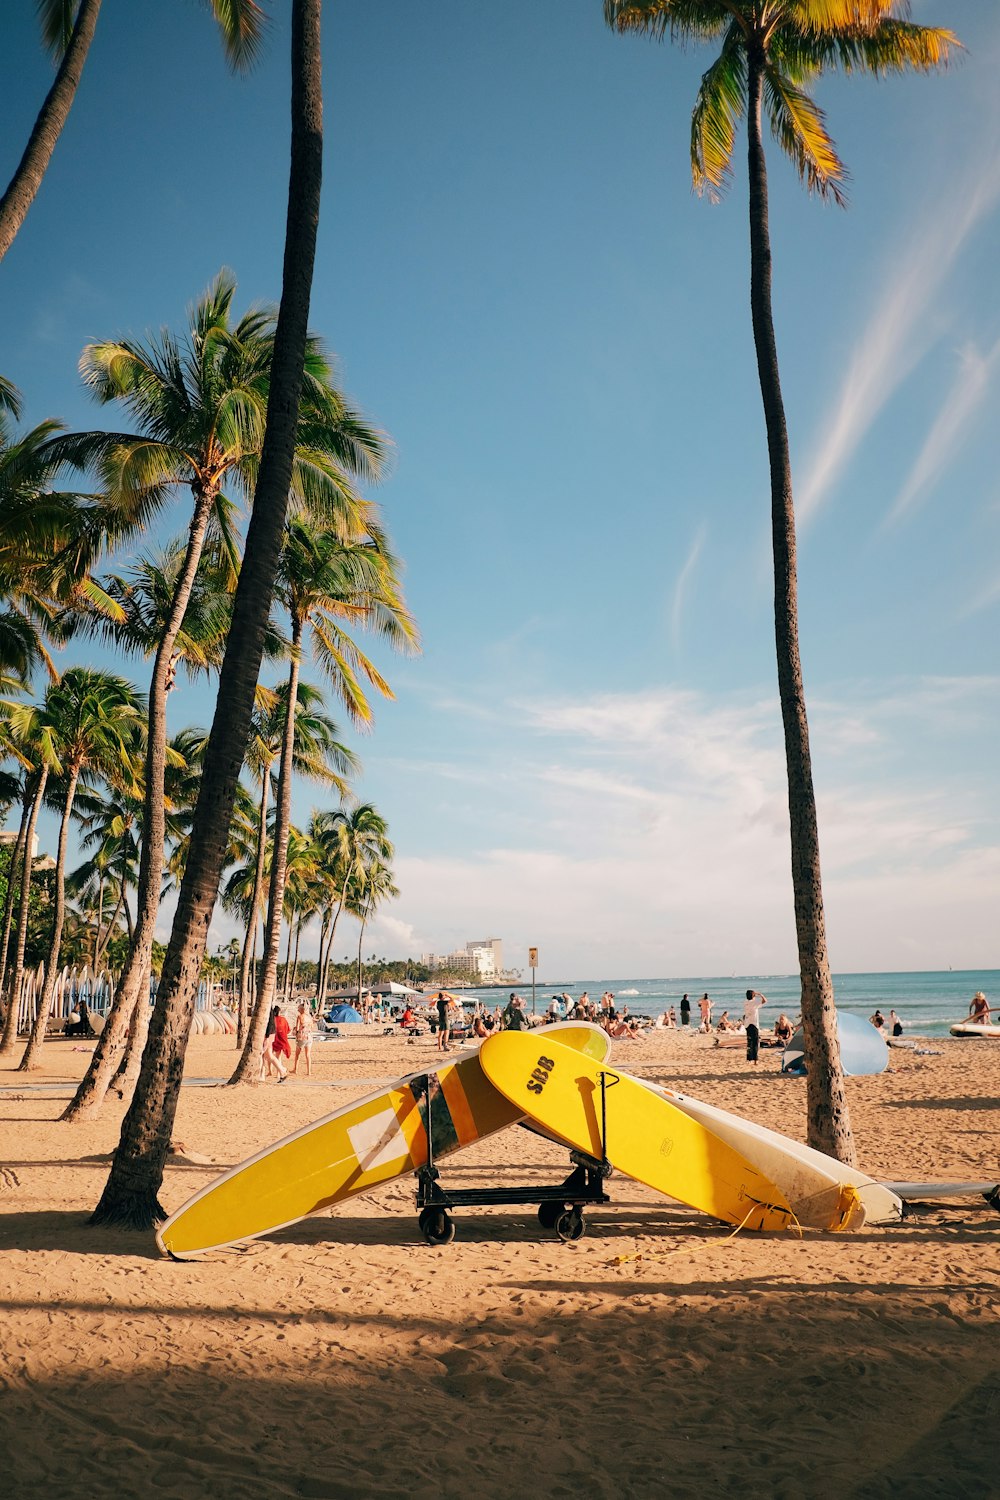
705 1011
443 1029
514 1016
895 1024
685 1011
280 1046
751 1020
271 1051
303 1033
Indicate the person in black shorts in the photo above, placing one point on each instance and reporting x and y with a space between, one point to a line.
751 1022
444 1030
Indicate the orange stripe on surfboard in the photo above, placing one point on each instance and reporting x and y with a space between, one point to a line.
458 1107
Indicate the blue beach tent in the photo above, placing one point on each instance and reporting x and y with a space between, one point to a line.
341 1013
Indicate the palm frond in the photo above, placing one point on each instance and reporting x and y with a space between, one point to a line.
719 106
243 25
799 126
681 20
894 46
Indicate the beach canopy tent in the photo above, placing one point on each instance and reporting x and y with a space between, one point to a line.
401 989
342 1013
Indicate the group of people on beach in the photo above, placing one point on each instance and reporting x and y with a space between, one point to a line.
277 1043
748 1024
448 1021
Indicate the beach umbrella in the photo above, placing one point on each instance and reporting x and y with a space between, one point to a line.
862 1049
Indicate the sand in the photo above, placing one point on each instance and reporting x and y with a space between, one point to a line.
656 1356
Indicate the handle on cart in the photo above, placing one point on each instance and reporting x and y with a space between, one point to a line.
608 1081
429 1129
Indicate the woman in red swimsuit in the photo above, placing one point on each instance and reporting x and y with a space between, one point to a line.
275 1046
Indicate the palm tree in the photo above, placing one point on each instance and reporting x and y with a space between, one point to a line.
31 743
130 1195
109 824
174 606
322 581
14 867
200 405
48 541
316 754
68 38
94 722
354 842
770 51
300 902
373 884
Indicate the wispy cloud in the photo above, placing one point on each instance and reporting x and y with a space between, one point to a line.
975 375
681 586
904 325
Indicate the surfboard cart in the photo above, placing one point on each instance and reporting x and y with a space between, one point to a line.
560 1206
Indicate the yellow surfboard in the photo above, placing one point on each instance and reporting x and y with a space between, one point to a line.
646 1137
353 1150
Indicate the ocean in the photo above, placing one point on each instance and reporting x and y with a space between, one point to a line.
927 1002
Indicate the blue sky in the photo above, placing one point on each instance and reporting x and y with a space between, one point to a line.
523 290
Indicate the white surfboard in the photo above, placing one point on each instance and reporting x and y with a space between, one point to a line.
912 1192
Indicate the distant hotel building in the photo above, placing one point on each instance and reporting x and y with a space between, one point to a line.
482 959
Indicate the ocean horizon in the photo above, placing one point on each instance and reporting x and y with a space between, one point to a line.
927 1001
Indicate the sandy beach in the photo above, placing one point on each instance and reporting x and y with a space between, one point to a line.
659 1355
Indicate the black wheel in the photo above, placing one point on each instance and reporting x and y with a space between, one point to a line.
570 1224
436 1227
549 1214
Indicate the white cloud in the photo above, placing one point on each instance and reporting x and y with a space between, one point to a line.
647 833
660 835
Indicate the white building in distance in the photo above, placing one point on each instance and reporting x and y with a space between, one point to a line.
482 959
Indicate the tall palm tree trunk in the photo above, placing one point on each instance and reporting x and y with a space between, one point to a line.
829 1123
130 1196
286 978
9 1040
295 960
324 923
248 1068
94 1084
32 1052
250 940
125 1078
328 960
361 938
13 869
103 942
48 126
99 923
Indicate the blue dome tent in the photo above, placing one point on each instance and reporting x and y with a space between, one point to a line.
341 1013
